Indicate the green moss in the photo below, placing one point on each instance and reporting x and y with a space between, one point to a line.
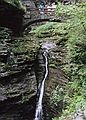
25 45
43 30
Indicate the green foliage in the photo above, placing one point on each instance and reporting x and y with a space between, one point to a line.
25 45
43 29
76 103
57 95
74 29
75 67
24 98
65 10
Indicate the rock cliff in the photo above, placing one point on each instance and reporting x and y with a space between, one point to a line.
18 85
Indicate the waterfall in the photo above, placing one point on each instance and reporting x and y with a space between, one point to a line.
46 46
38 114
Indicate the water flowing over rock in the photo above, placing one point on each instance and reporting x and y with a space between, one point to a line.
39 108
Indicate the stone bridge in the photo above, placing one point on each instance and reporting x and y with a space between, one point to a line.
15 19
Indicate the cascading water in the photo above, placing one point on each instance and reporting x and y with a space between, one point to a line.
38 114
39 111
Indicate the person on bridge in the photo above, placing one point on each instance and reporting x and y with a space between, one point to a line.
40 4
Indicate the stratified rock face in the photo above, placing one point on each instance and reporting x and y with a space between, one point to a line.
39 66
32 11
24 111
17 95
18 85
15 92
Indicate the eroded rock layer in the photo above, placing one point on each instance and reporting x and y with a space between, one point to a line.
18 85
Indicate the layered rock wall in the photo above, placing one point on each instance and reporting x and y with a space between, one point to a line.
18 85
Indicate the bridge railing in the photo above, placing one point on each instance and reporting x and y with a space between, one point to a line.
40 13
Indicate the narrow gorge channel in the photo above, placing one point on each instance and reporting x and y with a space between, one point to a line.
39 110
20 98
39 107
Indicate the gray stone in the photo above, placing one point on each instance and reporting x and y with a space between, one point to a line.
85 113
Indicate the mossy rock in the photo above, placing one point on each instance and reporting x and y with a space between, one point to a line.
15 3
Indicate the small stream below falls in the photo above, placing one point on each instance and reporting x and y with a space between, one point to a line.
39 107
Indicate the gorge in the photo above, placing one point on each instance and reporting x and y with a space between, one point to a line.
23 63
42 62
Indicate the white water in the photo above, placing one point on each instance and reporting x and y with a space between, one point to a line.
48 45
38 114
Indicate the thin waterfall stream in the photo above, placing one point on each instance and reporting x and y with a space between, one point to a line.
38 114
39 110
